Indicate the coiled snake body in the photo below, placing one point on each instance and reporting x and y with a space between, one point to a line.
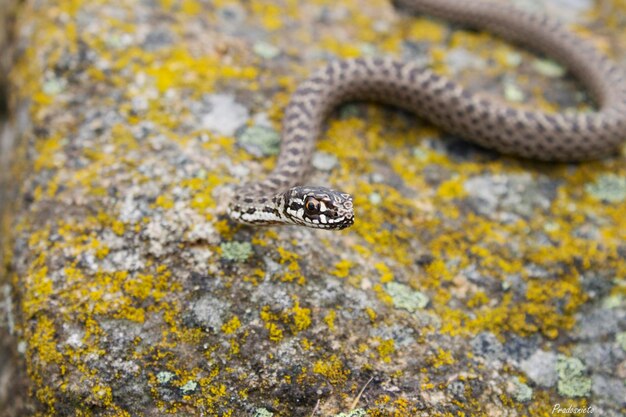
526 133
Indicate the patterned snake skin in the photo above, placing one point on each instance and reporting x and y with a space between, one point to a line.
522 132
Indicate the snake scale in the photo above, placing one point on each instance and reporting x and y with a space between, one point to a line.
527 133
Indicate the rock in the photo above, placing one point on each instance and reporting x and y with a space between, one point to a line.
488 346
508 198
599 323
601 357
129 291
520 348
225 115
208 312
541 368
620 338
324 161
612 389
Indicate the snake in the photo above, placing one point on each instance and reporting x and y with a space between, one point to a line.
283 198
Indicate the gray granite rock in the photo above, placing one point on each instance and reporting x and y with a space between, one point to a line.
541 368
128 291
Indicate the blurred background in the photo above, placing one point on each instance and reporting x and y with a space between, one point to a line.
12 369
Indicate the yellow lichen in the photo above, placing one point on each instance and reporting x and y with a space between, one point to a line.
332 369
329 319
385 348
441 358
342 268
231 326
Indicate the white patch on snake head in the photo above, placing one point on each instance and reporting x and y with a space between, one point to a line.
318 207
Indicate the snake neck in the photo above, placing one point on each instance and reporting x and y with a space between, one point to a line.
259 210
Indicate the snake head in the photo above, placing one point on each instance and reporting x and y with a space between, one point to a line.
318 207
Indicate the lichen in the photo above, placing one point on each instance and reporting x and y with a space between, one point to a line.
572 379
119 226
262 412
236 251
621 339
608 187
332 369
406 298
522 392
358 412
261 140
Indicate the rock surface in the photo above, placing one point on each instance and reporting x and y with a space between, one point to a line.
132 293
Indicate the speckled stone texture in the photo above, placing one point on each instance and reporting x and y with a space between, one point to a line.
471 284
12 367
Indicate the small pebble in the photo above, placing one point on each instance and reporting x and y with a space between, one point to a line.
324 161
375 199
266 50
541 368
225 115
53 87
548 68
513 93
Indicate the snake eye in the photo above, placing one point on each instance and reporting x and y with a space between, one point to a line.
311 205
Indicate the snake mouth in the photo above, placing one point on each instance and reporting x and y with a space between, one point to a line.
331 221
345 223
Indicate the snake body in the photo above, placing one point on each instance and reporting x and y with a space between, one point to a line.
527 133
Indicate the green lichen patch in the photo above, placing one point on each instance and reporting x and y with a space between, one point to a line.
260 140
262 412
406 298
189 387
608 187
164 377
236 251
266 50
521 392
573 381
